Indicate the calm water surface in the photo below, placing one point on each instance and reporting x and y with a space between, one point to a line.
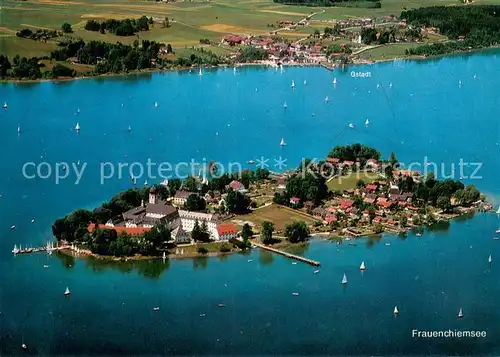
233 118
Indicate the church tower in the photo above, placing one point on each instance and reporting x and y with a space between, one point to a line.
152 196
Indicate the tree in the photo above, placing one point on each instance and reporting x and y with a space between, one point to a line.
266 234
378 228
297 231
236 202
195 203
360 183
246 232
4 66
443 202
66 28
169 48
166 22
316 33
200 233
190 184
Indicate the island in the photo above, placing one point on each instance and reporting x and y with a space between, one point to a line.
352 193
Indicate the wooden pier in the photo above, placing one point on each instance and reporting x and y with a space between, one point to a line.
288 255
17 251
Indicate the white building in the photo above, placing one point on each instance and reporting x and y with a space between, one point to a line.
189 218
226 231
181 197
180 236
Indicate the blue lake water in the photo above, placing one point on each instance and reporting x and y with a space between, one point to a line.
222 117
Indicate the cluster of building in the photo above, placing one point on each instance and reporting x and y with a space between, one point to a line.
139 220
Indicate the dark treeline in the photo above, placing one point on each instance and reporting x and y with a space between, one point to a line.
126 27
352 3
108 57
38 35
475 26
372 35
22 67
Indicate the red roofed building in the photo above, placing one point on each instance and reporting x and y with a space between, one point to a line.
236 186
294 200
227 231
345 204
330 218
348 163
333 160
384 204
134 231
371 188
234 39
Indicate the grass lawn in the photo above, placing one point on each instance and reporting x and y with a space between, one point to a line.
349 181
279 215
13 45
387 52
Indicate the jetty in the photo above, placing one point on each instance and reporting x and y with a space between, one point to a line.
288 255
49 248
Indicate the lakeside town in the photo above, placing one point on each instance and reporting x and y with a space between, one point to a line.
352 193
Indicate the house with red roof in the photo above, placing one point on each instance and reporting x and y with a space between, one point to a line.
236 186
371 188
333 160
330 218
345 204
226 231
133 231
294 200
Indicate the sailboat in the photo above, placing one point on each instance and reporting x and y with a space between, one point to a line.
351 125
67 292
362 267
459 83
460 314
367 122
19 130
234 70
344 279
327 100
293 84
15 250
295 294
305 82
134 180
164 256
390 85
129 128
156 104
5 106
396 311
285 106
378 85
145 182
77 127
498 212
282 142
489 259
201 72
335 80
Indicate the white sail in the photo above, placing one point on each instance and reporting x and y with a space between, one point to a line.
489 259
498 212
282 142
327 99
15 250
156 104
335 81
285 106
378 85
344 279
351 125
201 72
293 84
5 106
390 85
19 130
67 292
77 127
367 122
362 267
460 313
305 82
396 311
129 128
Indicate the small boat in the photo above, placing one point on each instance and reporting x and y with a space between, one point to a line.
344 279
251 162
67 292
282 142
459 83
156 104
305 82
129 128
294 263
396 311
134 180
293 84
362 266
77 127
497 231
45 266
164 256
295 294
327 100
156 309
285 106
498 212
460 314
5 106
351 125
201 72
203 315
19 130
15 250
367 122
316 271
334 80
387 244
250 260
221 305
475 76
390 85
24 347
12 227
489 259
496 238
146 183
419 234
234 70
378 85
